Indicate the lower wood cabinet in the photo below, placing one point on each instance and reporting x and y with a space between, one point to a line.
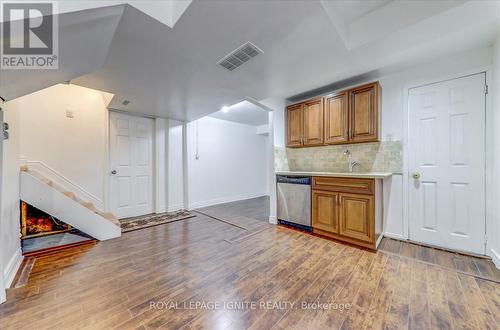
356 216
344 209
325 211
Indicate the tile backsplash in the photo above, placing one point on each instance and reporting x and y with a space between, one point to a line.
372 157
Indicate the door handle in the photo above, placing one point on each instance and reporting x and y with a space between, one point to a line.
415 175
113 172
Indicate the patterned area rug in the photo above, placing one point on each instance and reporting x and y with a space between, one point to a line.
151 220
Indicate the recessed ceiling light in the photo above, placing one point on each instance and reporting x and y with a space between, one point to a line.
225 108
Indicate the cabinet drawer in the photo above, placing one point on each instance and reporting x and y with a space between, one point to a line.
349 185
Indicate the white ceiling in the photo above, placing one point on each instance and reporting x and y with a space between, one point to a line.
165 11
243 112
351 10
172 72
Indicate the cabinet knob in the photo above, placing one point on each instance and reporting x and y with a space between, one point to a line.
113 172
415 175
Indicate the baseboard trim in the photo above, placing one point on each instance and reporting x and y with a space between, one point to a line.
273 220
495 257
175 207
222 200
395 236
12 267
377 243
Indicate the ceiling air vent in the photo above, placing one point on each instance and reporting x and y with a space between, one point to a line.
239 56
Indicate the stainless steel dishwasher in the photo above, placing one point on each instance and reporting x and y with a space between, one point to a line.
294 201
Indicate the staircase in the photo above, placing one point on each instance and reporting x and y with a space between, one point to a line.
44 194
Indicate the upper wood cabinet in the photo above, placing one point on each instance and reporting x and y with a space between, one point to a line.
313 122
363 113
336 118
305 124
294 125
350 116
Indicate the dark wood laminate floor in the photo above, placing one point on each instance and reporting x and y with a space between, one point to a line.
470 265
254 208
113 284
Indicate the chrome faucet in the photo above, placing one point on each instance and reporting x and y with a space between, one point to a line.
352 163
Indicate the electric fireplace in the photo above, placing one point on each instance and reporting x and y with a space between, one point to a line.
35 222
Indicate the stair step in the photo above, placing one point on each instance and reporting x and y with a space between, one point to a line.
47 181
67 206
90 206
70 194
111 217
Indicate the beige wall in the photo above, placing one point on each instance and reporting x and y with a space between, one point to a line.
372 157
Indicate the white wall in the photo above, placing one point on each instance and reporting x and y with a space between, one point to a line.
41 132
73 147
276 139
10 227
175 168
278 105
2 281
231 165
493 226
394 87
161 153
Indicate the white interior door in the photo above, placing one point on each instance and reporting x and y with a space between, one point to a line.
447 164
131 159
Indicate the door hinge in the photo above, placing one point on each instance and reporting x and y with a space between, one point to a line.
485 89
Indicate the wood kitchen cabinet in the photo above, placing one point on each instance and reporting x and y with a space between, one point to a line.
305 123
336 118
364 113
325 211
356 216
349 116
295 125
348 209
313 122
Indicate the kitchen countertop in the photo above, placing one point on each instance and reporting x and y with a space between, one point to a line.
370 175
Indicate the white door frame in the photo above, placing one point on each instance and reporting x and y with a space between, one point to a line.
489 146
107 165
2 282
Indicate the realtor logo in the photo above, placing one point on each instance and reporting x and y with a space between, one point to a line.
29 35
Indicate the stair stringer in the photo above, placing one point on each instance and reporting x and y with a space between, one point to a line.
54 202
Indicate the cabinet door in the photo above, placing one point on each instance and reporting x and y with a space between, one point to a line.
356 217
313 122
336 118
325 213
363 112
294 127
